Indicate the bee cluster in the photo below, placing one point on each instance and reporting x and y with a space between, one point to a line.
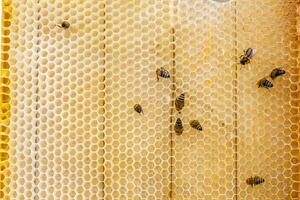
179 104
264 82
178 127
179 101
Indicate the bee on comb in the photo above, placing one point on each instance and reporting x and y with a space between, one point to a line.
256 180
277 72
178 127
64 25
138 108
179 102
162 72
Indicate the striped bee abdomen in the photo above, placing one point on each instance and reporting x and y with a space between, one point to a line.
178 127
138 108
196 125
276 72
179 102
256 180
265 83
162 72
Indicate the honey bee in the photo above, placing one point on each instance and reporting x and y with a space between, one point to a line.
138 108
162 72
196 125
248 54
179 102
64 25
256 180
178 127
277 72
264 83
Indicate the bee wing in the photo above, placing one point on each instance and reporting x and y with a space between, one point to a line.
254 51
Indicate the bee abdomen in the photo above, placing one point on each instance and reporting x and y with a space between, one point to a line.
138 108
162 72
196 125
256 180
178 127
179 102
277 72
265 83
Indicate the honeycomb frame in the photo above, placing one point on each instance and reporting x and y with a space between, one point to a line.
68 95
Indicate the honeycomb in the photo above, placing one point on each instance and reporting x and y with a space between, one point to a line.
204 162
137 147
57 100
68 96
4 101
268 121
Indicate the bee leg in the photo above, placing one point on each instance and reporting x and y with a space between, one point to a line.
59 26
157 78
258 84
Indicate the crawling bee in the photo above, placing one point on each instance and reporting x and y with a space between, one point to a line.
162 72
264 83
196 125
179 102
64 25
256 180
248 54
277 72
138 108
178 127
